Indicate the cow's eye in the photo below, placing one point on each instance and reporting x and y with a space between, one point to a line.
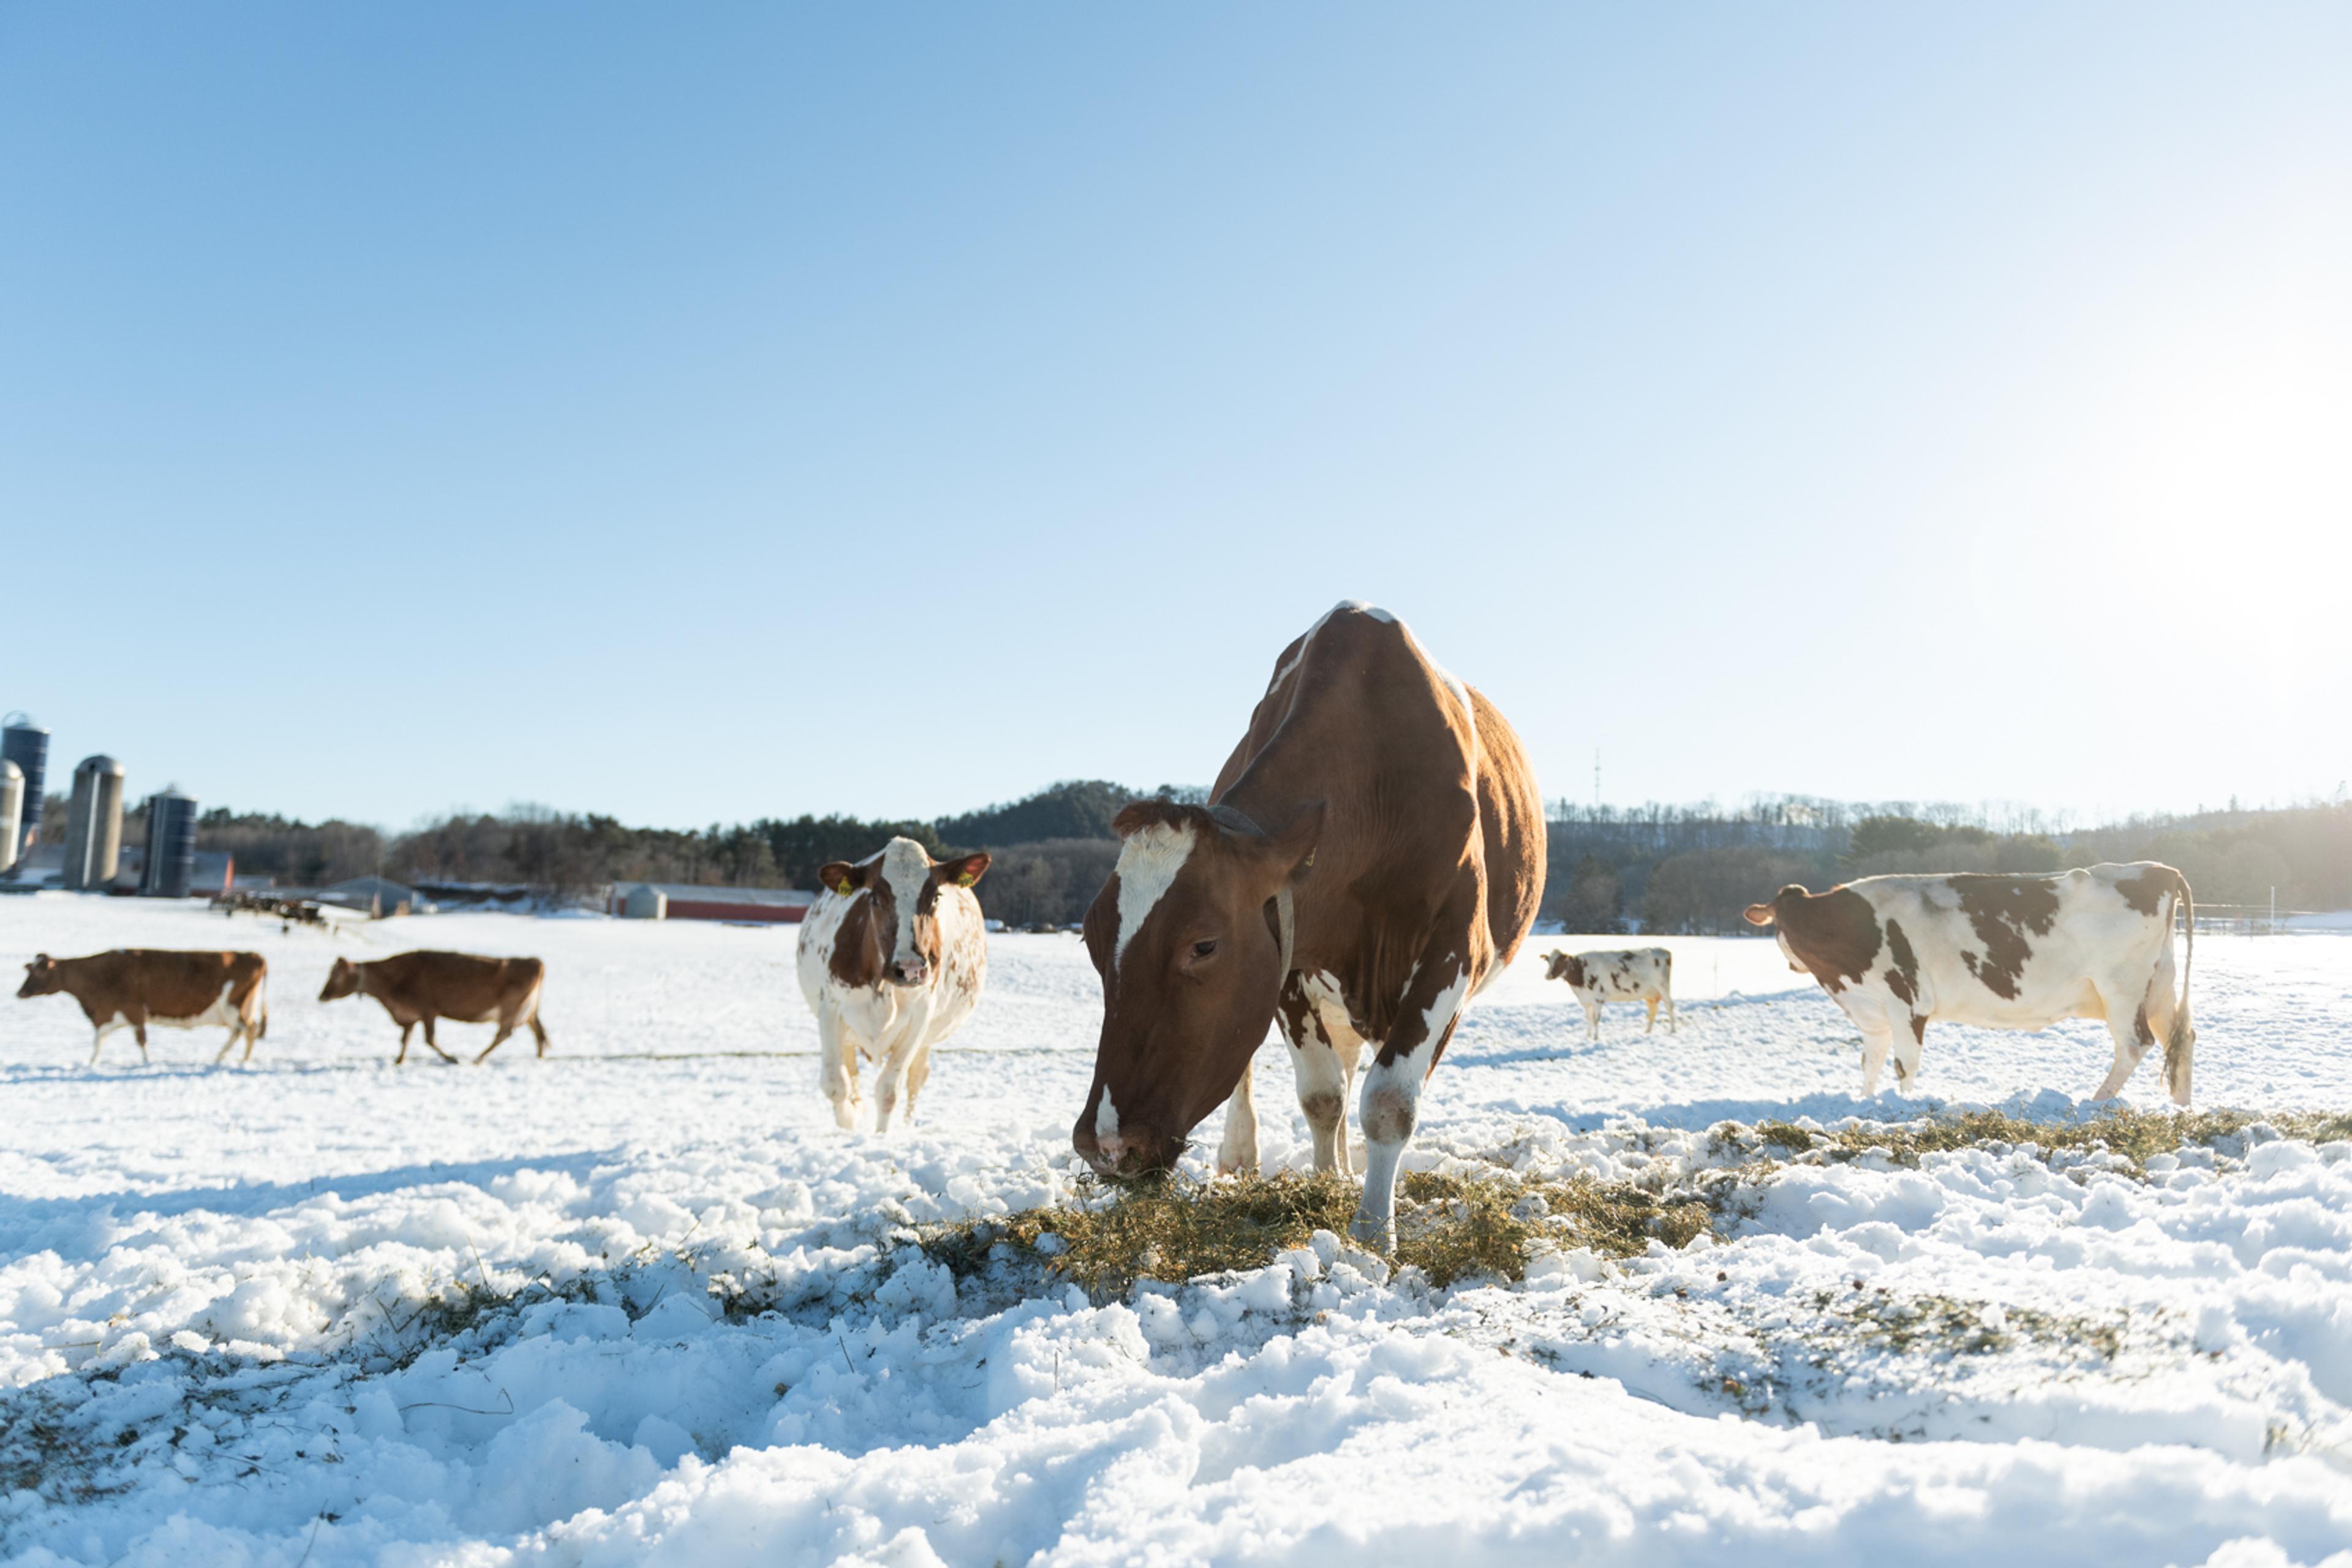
1203 949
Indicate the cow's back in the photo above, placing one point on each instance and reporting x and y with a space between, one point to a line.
1511 825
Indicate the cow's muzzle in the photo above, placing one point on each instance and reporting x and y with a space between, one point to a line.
912 972
1135 1151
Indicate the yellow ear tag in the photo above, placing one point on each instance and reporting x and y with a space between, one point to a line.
966 880
842 886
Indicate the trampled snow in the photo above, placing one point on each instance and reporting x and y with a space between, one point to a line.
231 1331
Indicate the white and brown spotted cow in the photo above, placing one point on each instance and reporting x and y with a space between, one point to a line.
1374 857
133 987
1617 974
419 987
892 958
1998 952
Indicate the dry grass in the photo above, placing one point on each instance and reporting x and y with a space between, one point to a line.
2135 1135
1451 1227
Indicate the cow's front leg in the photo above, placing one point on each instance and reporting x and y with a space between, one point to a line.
1877 1037
890 1080
837 1068
1392 1102
1908 1030
1322 1059
1592 1021
427 1022
406 1030
1237 1149
139 1033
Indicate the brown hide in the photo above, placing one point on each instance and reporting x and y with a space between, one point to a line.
140 983
455 985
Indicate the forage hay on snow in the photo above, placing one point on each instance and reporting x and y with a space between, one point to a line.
2136 1136
1449 1226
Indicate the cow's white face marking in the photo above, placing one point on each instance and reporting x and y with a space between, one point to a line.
905 867
1147 864
1106 1119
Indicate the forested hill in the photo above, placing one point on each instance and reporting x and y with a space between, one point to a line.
1666 869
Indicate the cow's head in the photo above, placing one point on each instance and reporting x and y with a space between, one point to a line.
1568 966
1769 914
902 887
342 980
42 977
1186 936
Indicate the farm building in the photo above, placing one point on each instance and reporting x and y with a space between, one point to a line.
685 901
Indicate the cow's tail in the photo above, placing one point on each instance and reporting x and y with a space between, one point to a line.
2181 1045
261 1007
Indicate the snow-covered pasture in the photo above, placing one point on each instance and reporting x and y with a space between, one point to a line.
241 1313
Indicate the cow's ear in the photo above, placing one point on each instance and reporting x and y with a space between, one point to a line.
1289 852
963 872
1759 914
842 877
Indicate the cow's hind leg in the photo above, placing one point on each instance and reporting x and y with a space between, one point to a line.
1908 1030
1652 1021
1324 1051
139 1032
496 1040
539 1032
228 1044
2133 1031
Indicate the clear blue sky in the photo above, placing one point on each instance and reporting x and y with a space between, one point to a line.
703 414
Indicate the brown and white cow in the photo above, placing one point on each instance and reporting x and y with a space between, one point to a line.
1998 952
1617 974
418 987
133 987
892 958
1373 858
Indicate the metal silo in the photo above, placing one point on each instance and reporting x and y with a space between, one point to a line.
94 823
26 744
170 862
12 810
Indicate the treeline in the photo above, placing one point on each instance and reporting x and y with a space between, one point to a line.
1665 868
1695 870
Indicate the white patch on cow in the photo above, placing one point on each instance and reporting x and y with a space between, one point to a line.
905 867
1147 864
1106 1118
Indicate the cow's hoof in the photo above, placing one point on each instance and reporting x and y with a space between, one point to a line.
1370 1232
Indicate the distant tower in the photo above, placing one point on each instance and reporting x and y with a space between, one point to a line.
170 862
26 744
94 824
12 810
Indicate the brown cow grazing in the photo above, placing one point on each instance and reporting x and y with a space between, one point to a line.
1374 857
418 987
131 988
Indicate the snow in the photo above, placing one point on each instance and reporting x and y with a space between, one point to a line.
231 1329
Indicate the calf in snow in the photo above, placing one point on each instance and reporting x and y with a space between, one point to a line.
131 988
892 958
1999 953
418 987
1617 974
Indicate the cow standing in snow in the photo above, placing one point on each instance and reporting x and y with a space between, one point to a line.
1374 857
892 958
1999 953
131 988
1617 974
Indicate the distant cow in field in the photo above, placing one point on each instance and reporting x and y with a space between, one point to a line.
892 958
1999 953
418 987
131 988
1617 974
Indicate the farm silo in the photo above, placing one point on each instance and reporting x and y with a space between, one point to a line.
170 861
94 823
12 810
26 744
